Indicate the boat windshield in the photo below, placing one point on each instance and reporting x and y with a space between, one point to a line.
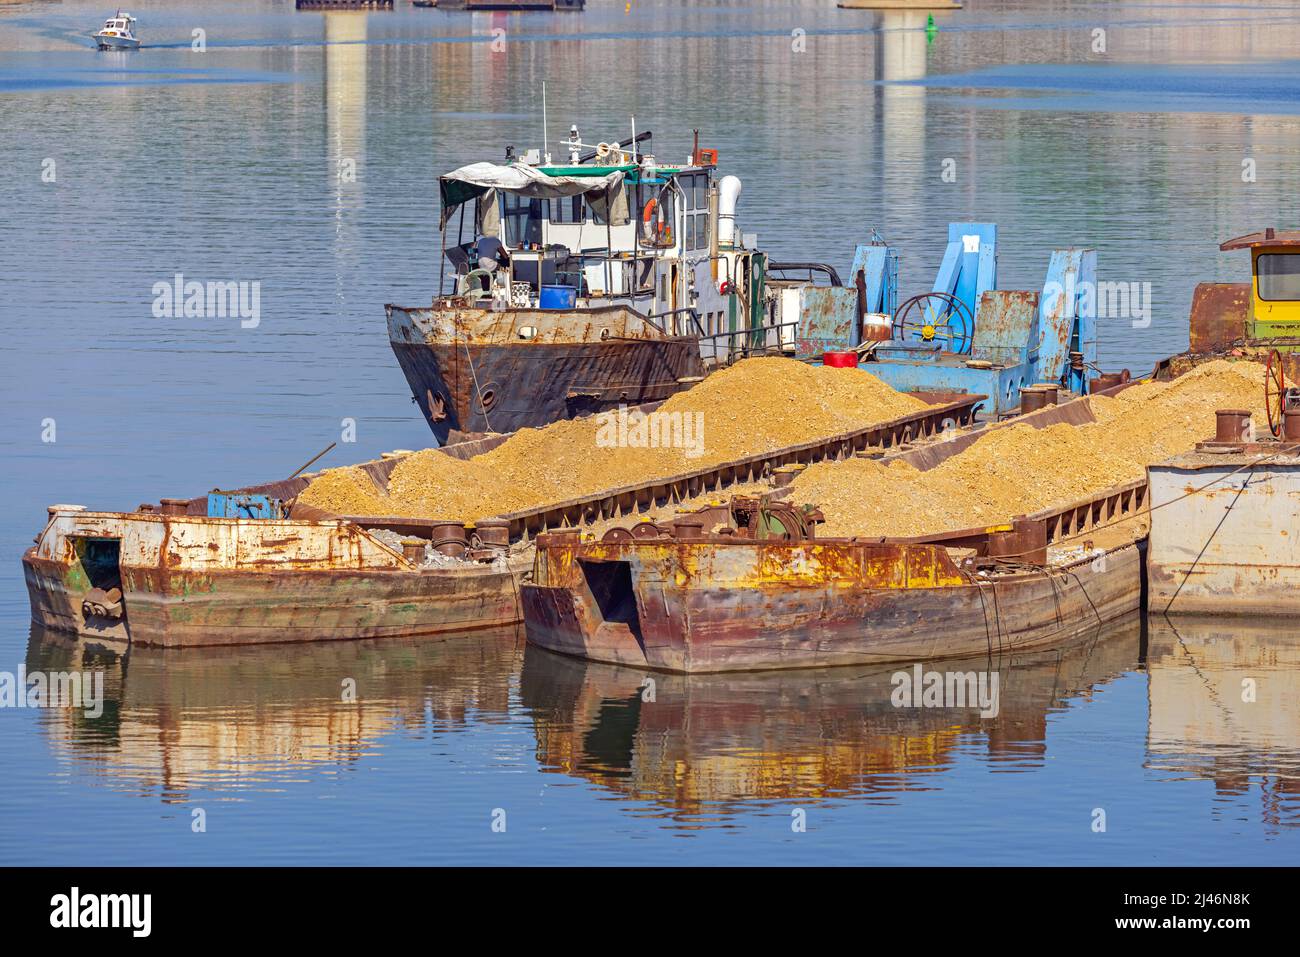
522 218
1279 277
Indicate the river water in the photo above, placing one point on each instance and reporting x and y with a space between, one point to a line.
300 151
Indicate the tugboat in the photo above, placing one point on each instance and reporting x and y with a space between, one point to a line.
118 33
612 279
1259 319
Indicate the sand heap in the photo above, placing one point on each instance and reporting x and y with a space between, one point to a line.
755 406
1017 470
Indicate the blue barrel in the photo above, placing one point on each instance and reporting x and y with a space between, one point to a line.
558 297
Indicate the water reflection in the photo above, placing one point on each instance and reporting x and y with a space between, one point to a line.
696 749
1225 707
900 56
235 719
345 122
705 743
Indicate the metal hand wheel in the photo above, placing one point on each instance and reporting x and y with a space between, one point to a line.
1274 392
936 317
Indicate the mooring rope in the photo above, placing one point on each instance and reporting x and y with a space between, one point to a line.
478 391
1226 512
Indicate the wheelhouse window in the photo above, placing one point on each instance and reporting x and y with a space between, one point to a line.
695 187
1279 277
566 210
522 218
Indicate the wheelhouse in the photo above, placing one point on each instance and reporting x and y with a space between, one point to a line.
118 26
1274 282
611 228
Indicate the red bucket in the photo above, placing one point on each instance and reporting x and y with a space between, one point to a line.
840 360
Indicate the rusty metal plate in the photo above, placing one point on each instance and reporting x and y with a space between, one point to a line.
1219 314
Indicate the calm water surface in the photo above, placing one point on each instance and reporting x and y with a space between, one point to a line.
224 164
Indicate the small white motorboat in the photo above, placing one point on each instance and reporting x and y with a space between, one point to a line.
118 33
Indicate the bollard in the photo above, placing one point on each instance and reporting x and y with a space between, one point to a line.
450 539
1032 399
687 529
1231 426
1291 425
783 475
492 533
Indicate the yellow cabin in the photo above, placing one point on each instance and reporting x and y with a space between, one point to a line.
1274 309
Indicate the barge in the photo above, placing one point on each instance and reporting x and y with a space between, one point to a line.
185 581
749 586
253 565
683 601
1223 525
247 567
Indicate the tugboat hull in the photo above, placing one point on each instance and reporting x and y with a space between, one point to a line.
472 370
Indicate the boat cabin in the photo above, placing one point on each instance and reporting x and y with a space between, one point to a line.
614 227
118 26
1274 310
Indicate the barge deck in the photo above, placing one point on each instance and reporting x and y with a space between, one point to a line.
686 603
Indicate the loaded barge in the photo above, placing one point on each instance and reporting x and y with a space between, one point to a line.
749 586
253 565
247 567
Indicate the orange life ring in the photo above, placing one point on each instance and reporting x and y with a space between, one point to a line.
648 213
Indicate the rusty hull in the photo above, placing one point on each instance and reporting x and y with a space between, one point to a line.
469 369
1224 532
191 581
723 605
